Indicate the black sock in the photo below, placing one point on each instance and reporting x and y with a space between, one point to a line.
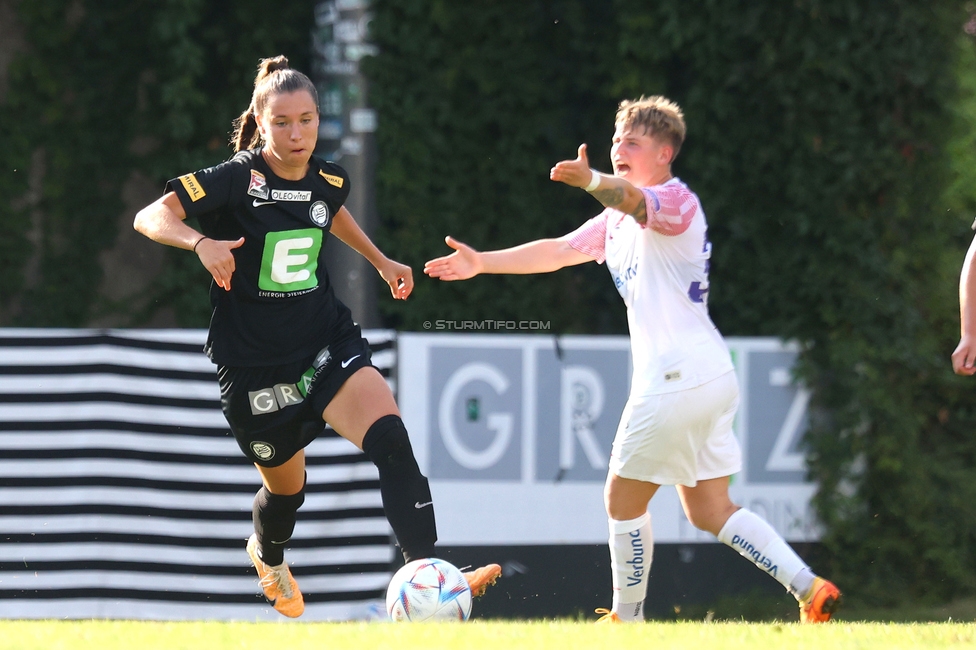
274 522
405 491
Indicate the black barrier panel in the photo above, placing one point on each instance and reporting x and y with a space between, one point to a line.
687 581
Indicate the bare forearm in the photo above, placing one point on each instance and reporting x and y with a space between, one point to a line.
344 227
540 256
620 194
967 293
161 223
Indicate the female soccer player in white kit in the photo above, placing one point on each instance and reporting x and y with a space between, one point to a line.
676 428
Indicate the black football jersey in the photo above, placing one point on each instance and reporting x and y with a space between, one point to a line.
281 306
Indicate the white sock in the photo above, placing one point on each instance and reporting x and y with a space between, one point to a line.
753 538
631 552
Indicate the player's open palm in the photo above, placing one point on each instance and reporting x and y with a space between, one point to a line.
462 264
573 172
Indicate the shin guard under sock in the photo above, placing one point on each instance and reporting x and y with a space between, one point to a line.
631 552
405 491
274 522
755 539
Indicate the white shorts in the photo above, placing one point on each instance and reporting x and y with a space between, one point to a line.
679 438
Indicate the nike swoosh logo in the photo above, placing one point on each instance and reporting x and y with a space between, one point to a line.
345 364
257 203
418 505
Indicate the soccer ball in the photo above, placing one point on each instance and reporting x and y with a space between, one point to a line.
428 590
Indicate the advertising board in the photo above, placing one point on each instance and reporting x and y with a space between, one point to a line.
514 433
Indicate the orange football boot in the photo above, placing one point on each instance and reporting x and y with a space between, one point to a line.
607 616
480 579
278 585
821 603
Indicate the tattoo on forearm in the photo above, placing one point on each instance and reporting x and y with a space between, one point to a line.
611 198
640 213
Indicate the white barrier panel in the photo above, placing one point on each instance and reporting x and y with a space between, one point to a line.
514 433
123 494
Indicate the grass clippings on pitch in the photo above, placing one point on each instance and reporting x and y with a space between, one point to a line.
540 635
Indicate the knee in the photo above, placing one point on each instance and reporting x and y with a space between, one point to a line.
698 519
268 502
387 444
617 512
620 508
710 518
626 499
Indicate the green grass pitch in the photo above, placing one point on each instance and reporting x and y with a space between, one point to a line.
538 635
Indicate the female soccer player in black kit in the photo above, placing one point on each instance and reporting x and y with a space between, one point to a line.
288 353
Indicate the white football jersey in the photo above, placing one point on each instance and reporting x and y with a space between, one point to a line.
661 271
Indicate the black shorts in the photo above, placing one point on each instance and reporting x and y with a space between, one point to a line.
274 411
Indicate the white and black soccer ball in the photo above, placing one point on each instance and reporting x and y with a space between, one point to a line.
428 590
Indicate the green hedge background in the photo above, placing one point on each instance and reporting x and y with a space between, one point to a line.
831 142
101 92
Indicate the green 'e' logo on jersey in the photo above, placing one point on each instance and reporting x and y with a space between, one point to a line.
290 260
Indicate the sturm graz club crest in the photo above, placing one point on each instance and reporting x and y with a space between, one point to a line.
262 450
319 214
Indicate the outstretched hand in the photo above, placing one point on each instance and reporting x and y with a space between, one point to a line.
462 264
575 173
216 257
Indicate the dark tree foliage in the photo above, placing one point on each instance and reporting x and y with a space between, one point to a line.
821 132
820 140
477 101
104 90
828 139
